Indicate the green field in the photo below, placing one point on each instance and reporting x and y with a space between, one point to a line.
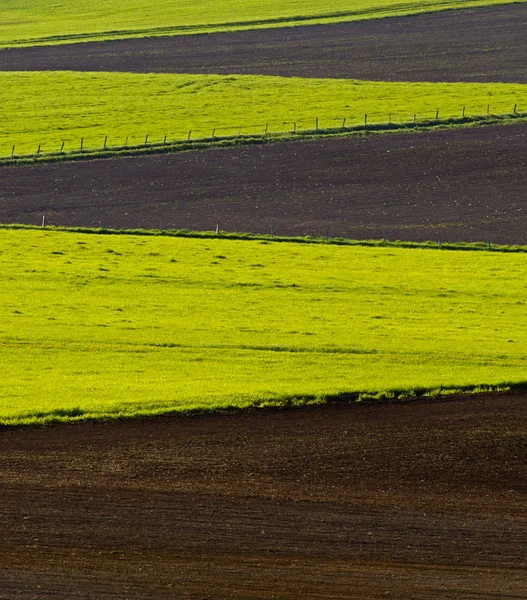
108 325
48 108
28 22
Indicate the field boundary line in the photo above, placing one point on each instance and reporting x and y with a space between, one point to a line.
289 401
229 141
266 238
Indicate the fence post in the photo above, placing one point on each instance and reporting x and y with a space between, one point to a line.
437 114
514 111
316 124
43 220
344 122
217 230
294 127
165 140
266 128
488 109
213 132
105 140
82 143
146 139
62 147
365 119
12 152
38 150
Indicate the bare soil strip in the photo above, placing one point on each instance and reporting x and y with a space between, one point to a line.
460 185
480 45
423 499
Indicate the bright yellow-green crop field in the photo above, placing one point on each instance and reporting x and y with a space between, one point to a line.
28 22
112 325
48 108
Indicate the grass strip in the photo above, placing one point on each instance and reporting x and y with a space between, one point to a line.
107 326
32 22
218 142
266 238
66 112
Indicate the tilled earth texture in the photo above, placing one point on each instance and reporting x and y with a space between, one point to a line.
487 44
424 499
457 185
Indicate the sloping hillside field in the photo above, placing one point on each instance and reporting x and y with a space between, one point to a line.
404 500
188 411
110 325
456 185
484 44
46 110
30 22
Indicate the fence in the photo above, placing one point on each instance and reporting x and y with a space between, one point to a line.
338 126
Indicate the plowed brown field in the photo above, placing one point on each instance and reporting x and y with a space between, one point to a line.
404 500
462 185
487 44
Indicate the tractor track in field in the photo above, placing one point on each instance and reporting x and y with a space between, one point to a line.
475 45
421 499
457 185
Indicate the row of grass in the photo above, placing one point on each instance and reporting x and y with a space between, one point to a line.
486 246
100 326
53 111
30 22
218 142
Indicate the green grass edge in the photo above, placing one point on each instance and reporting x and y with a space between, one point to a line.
77 415
346 16
266 238
218 142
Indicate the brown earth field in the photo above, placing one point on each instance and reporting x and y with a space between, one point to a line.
460 185
408 500
485 45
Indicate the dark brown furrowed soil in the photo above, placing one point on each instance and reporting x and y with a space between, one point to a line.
487 44
462 185
409 501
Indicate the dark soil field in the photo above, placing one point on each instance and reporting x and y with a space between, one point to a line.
423 499
487 44
462 185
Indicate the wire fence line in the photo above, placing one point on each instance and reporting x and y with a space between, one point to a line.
262 130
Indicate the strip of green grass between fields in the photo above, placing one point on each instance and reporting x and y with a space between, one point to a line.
69 113
187 145
108 326
266 238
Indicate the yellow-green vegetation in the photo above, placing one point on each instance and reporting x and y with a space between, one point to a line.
46 21
109 325
48 108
